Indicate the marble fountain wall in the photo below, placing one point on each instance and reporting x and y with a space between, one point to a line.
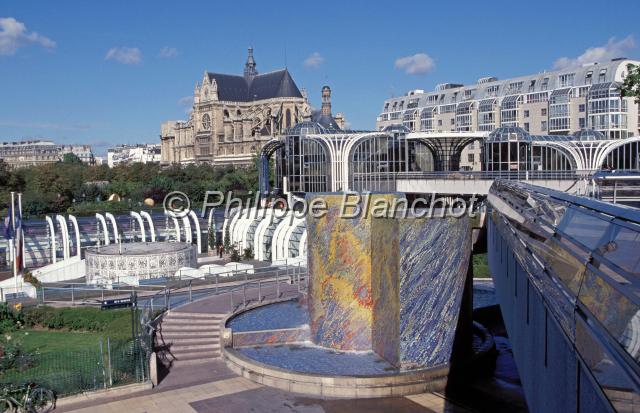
389 285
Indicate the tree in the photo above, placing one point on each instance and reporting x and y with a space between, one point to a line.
71 158
631 85
212 237
227 239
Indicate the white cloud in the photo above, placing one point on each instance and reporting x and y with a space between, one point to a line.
314 60
614 48
14 34
124 55
44 125
418 64
168 52
185 101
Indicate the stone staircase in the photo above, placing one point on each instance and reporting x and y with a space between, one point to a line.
188 338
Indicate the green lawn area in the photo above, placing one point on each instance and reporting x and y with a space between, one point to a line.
69 358
480 266
116 324
52 341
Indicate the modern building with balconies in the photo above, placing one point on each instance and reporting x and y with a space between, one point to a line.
560 102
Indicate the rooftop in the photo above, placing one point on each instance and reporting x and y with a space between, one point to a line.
254 86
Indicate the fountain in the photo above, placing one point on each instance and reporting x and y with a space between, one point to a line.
381 314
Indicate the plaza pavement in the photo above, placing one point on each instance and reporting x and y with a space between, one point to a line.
212 387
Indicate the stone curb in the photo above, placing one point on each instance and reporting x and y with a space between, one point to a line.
104 393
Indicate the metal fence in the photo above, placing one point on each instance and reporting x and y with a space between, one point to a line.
170 292
109 363
117 362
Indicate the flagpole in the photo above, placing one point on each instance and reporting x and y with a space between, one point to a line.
23 256
13 210
15 269
14 251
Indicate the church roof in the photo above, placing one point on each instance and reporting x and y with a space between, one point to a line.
327 122
276 84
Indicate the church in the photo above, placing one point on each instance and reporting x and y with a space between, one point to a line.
234 115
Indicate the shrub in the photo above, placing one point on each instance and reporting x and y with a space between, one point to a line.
11 354
28 277
248 253
10 319
235 255
74 319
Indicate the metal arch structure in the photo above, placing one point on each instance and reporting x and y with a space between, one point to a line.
197 227
339 150
585 156
277 241
614 145
176 224
52 235
152 229
235 221
570 152
297 222
138 218
62 222
303 244
581 154
367 159
112 219
187 229
265 154
105 229
228 221
329 153
76 229
446 147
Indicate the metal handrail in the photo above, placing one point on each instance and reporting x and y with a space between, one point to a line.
511 175
259 283
185 285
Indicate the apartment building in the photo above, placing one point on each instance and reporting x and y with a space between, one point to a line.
549 103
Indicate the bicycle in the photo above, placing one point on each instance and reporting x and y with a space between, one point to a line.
29 398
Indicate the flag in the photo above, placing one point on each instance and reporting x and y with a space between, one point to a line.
18 240
8 228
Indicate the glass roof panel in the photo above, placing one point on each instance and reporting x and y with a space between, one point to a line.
589 135
509 134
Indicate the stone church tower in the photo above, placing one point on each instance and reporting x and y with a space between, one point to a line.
233 116
326 100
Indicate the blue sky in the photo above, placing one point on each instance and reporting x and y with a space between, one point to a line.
109 72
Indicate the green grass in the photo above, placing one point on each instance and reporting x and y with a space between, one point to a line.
481 266
69 360
46 341
115 324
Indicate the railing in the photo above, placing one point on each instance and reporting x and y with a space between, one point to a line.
23 290
174 291
295 275
490 175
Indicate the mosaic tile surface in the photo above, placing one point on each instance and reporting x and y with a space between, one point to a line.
270 337
390 285
434 260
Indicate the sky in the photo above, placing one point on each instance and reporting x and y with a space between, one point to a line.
109 72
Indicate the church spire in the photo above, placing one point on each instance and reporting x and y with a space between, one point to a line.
326 100
250 67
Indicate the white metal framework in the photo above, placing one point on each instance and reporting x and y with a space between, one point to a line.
271 236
